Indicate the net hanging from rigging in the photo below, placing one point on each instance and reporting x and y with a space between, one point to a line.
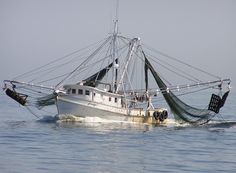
182 111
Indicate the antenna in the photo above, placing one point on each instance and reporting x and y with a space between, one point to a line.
116 18
117 10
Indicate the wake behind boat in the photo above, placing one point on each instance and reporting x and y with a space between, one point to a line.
119 79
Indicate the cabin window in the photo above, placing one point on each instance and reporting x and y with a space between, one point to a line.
80 91
109 99
87 92
73 91
115 100
94 94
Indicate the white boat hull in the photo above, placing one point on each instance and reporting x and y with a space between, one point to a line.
86 109
67 105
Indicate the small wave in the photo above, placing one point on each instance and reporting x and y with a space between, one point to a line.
222 124
69 118
48 119
14 124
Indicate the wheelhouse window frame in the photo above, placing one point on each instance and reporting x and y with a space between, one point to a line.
87 92
80 91
73 91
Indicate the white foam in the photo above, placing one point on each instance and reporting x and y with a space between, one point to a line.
173 123
72 118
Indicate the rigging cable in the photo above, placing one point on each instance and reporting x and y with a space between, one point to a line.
172 66
182 62
91 56
61 58
141 58
167 68
56 67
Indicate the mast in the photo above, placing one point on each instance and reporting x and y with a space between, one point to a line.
146 72
133 44
114 59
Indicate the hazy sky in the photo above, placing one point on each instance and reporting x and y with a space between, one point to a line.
200 32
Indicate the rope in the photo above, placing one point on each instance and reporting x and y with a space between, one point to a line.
32 112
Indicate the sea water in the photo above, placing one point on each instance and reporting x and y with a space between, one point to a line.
28 144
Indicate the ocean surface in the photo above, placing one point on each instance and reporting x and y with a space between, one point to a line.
28 144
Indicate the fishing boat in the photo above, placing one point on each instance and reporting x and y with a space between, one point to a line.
117 78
